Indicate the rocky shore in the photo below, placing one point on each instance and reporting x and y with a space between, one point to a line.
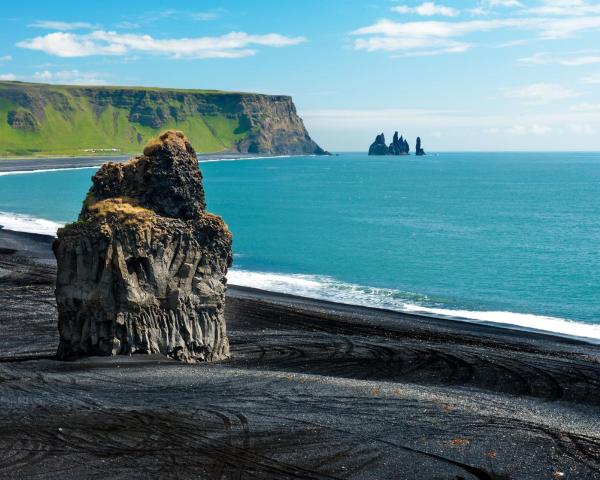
312 390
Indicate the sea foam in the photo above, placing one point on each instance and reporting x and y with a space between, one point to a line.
323 287
46 170
327 288
26 223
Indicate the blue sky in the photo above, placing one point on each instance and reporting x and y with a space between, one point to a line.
465 75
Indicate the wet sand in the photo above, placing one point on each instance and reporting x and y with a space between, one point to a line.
314 390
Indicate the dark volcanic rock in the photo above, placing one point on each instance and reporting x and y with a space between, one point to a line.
419 150
22 120
143 269
399 146
379 147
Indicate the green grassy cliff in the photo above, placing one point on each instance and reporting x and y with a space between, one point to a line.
43 120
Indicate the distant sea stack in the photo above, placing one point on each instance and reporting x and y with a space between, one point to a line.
399 146
143 269
379 147
419 150
38 120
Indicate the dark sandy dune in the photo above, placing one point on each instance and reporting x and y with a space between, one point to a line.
314 391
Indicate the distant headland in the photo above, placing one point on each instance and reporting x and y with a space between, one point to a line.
399 146
40 120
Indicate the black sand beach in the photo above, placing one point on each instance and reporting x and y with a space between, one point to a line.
313 390
59 163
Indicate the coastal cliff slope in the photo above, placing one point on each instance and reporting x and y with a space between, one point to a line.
41 120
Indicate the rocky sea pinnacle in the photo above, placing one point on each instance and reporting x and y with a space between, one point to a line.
143 269
399 146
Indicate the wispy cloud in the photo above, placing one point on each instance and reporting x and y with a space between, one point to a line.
388 35
125 25
582 129
534 129
172 13
205 16
427 9
565 8
8 76
62 26
6 58
592 78
427 37
575 59
72 77
100 42
586 107
540 93
485 7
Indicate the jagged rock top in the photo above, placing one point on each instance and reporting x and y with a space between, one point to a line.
165 179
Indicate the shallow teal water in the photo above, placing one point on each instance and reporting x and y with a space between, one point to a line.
478 232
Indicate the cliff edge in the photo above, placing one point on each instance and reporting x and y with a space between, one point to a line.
41 120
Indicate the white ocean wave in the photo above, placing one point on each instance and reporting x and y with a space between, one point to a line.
96 167
45 170
26 223
327 288
211 160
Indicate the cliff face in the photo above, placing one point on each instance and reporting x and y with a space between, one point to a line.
37 119
143 269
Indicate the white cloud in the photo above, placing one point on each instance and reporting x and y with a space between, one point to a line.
519 130
540 93
204 16
593 78
8 76
562 8
6 58
574 59
534 129
172 13
485 7
451 36
427 9
100 42
491 130
62 26
71 77
504 3
582 129
586 107
388 35
125 25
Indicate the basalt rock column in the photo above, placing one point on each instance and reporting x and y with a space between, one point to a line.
143 269
419 149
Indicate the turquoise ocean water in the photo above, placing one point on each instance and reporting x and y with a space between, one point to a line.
499 237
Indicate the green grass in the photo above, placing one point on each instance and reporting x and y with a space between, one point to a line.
71 131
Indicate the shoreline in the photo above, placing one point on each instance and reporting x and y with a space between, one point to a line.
38 246
18 165
312 390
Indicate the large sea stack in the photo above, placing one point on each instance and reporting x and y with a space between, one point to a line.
143 269
399 146
379 147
